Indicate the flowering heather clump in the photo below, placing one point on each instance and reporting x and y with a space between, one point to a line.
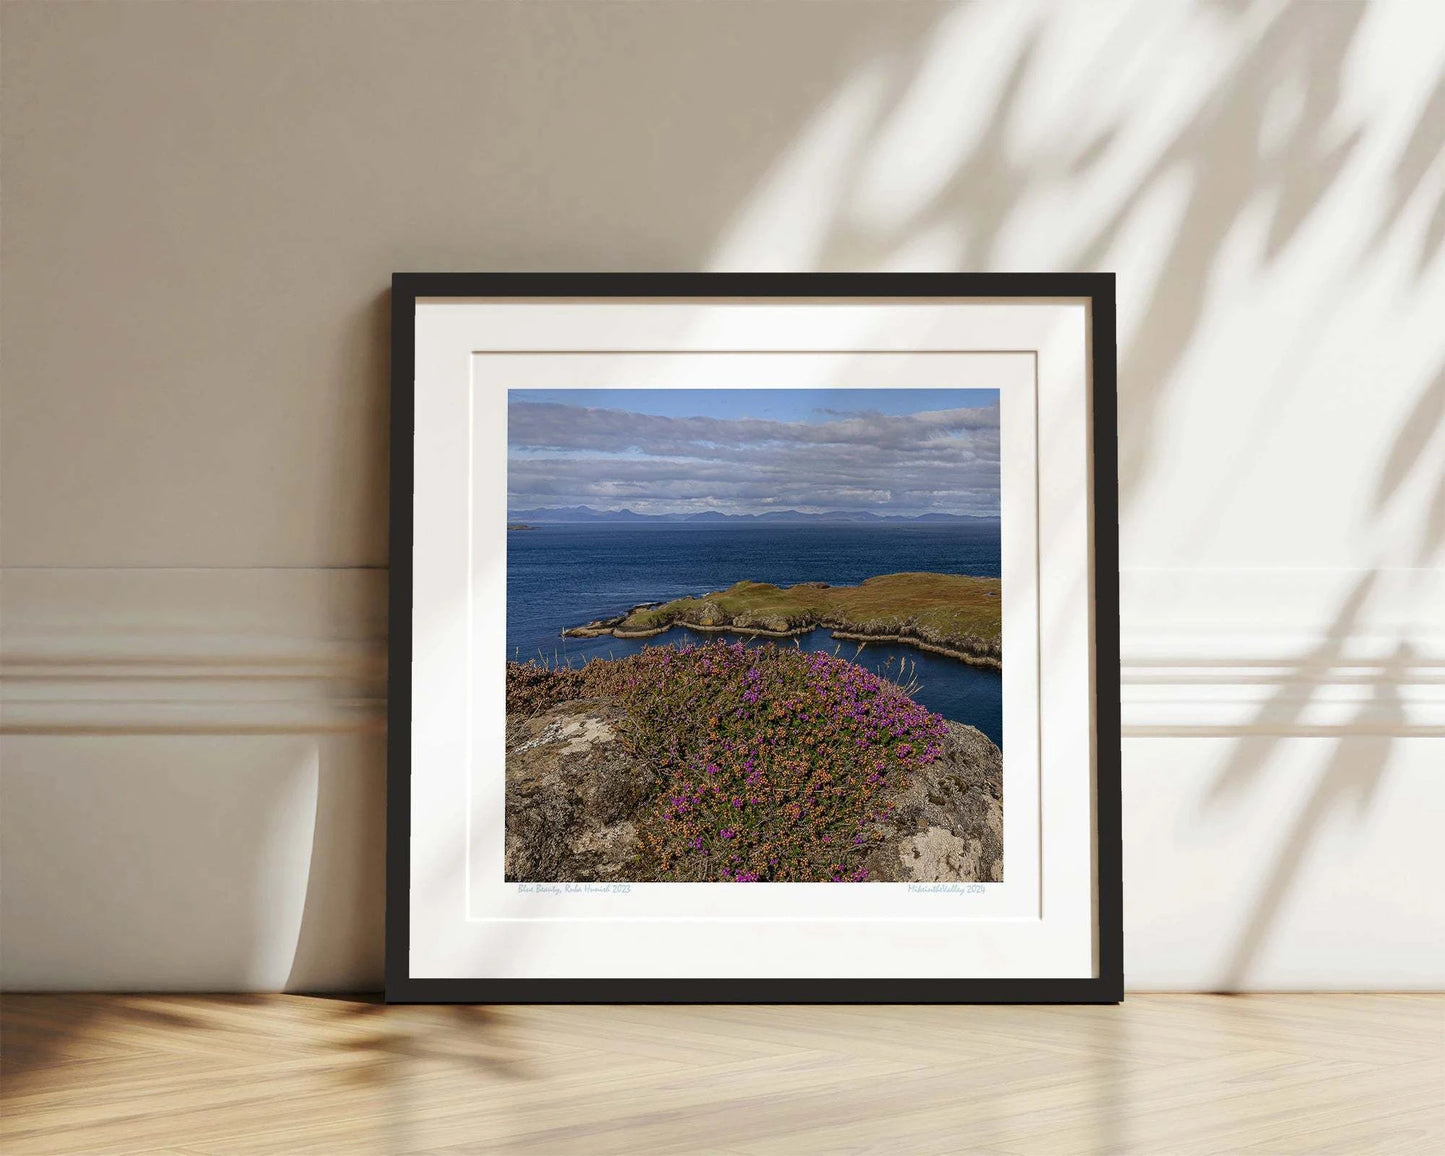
777 765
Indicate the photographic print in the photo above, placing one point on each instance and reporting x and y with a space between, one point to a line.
708 579
754 635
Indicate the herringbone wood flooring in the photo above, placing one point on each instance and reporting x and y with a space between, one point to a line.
294 1075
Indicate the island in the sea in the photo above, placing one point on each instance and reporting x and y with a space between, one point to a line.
519 526
950 614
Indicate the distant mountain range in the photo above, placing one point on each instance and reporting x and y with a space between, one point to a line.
586 514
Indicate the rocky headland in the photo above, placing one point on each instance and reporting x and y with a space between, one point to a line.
720 763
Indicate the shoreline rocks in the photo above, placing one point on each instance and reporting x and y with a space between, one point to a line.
981 652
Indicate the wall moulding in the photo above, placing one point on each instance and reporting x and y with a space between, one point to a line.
1283 651
193 650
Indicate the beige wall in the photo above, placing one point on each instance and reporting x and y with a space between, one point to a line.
202 204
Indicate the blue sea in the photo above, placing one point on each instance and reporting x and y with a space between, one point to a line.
560 576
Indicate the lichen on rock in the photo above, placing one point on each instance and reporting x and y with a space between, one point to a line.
949 818
573 790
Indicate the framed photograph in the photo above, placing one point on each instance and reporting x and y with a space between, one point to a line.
754 638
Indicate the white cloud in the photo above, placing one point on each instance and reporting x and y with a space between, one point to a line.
944 461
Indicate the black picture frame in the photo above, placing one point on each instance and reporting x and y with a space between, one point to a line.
1098 288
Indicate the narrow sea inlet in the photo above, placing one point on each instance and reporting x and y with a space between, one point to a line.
560 576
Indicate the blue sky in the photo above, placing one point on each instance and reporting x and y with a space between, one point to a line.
891 451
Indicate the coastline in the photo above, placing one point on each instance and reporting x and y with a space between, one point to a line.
987 661
837 632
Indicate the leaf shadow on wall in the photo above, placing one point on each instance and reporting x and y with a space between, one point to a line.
1270 132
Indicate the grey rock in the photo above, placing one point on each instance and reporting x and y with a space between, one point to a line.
949 819
709 613
573 791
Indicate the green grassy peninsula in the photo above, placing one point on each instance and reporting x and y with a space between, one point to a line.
948 614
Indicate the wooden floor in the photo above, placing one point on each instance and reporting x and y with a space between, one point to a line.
293 1075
